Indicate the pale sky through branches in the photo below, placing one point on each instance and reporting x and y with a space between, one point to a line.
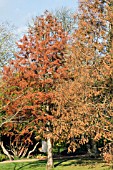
20 12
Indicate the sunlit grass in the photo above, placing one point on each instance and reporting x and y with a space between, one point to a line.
73 164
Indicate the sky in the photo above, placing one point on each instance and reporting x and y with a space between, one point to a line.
20 12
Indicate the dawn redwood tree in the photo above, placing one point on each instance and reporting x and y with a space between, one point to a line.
66 105
103 92
93 70
34 76
85 99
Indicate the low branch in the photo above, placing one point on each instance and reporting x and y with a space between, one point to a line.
32 150
10 119
24 153
11 101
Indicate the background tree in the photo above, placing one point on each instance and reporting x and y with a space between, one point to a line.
7 43
66 17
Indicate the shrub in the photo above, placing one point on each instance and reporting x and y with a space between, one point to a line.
3 157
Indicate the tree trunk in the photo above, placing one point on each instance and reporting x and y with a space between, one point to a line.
92 149
49 153
5 151
24 153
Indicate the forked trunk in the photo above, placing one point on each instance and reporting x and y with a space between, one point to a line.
50 164
5 151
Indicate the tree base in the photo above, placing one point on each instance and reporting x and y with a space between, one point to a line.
49 167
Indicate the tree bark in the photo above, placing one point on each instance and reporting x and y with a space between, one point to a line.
5 151
24 153
32 150
50 164
92 149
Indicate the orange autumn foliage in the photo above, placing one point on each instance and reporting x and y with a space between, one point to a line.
35 73
65 85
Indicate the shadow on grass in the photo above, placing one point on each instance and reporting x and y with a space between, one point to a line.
59 162
78 161
29 165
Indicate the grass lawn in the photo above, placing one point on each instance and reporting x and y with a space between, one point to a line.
73 164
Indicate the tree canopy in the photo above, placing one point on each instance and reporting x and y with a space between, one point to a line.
60 86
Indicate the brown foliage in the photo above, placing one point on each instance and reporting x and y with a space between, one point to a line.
85 99
66 85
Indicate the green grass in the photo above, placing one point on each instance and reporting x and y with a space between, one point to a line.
73 164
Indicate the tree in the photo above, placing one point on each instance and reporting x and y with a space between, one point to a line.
66 17
67 86
86 99
7 43
36 72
